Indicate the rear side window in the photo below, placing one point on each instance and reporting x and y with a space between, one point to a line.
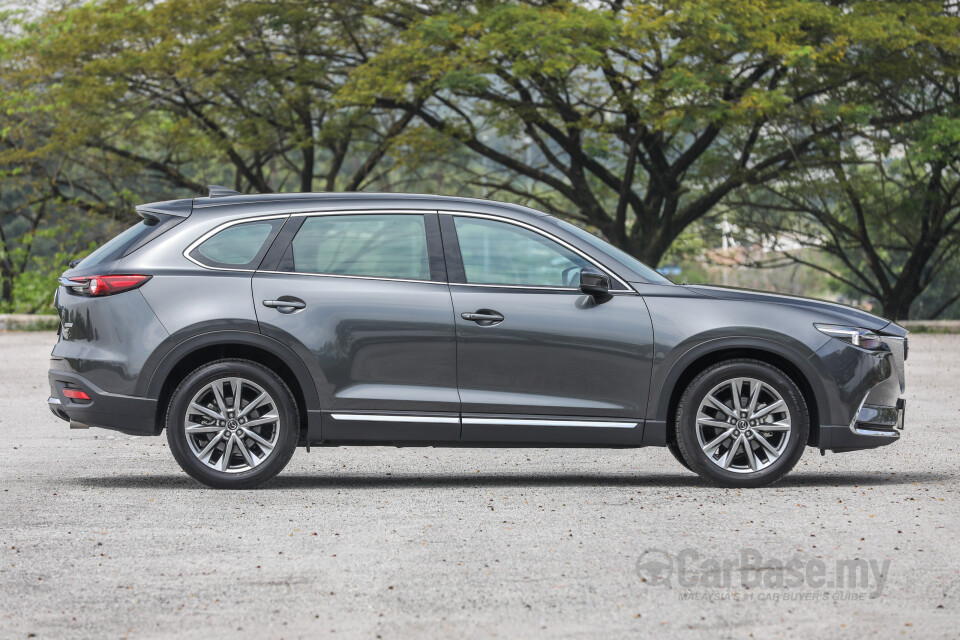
241 246
372 245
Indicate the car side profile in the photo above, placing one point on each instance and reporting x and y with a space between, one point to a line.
248 325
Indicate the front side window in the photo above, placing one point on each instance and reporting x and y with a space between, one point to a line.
502 253
371 245
651 275
240 246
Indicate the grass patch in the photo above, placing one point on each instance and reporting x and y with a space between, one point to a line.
18 322
936 327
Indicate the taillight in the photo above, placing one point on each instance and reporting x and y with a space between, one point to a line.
76 394
107 285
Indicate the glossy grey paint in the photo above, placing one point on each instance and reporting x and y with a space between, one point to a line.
224 304
106 340
840 313
387 346
690 327
375 345
548 356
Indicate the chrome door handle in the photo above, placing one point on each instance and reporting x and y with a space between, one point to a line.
285 306
484 317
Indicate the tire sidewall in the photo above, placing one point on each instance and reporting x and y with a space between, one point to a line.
698 390
270 382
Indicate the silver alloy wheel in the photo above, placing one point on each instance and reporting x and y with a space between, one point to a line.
743 425
232 425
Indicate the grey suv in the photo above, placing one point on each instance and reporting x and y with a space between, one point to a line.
248 325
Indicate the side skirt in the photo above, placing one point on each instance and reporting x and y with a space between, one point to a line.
336 428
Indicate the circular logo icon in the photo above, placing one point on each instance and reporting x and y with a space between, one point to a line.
232 425
654 567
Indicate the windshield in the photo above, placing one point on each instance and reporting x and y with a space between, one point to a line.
629 261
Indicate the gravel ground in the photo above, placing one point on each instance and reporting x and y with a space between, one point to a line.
103 536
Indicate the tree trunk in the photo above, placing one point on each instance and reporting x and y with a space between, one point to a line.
896 306
306 171
6 287
649 242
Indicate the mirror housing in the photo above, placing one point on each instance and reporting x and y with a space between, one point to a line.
594 282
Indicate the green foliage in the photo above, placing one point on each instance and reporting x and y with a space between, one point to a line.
639 120
185 91
884 208
44 254
646 115
112 103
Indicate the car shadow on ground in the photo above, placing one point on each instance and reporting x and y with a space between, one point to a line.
441 481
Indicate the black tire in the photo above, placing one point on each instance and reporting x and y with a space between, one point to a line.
695 394
287 427
674 448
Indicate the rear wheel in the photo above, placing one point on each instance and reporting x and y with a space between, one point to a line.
232 424
742 423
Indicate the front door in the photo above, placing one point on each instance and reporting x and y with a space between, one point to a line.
362 299
537 360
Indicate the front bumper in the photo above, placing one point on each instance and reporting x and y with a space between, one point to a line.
885 422
127 414
875 426
880 416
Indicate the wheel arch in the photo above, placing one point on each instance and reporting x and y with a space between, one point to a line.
793 364
195 352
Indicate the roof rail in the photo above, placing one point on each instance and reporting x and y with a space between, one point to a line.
216 191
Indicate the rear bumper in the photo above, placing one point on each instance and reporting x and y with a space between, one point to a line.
127 414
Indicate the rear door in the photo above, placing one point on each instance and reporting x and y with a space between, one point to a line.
538 361
362 298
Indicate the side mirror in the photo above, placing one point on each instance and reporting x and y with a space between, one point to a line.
594 282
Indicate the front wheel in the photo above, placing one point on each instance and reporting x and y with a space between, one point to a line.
232 424
674 448
742 423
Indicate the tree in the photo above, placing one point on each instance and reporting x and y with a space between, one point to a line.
645 115
54 198
884 207
109 104
196 90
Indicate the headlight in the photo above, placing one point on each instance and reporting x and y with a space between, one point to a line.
863 338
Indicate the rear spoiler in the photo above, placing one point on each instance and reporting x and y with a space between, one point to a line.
178 208
153 211
216 191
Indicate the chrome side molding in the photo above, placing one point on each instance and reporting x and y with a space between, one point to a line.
520 422
377 417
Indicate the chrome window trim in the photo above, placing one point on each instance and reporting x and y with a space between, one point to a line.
531 287
299 214
382 417
339 212
221 227
590 259
347 212
337 275
531 422
312 209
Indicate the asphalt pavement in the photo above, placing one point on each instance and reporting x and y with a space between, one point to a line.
103 536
